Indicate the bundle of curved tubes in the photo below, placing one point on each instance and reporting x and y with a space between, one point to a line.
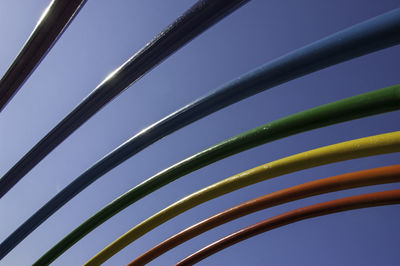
350 203
380 144
369 177
372 35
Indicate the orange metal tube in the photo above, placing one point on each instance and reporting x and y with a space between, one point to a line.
350 203
382 175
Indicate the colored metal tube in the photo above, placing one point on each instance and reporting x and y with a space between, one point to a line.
366 37
345 204
375 102
372 35
191 24
374 145
382 175
49 28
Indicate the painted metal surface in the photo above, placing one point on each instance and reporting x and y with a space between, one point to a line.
193 22
374 145
370 177
375 102
329 207
49 28
372 35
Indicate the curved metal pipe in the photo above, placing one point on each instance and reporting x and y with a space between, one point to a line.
375 102
376 176
379 144
55 19
345 204
192 23
372 35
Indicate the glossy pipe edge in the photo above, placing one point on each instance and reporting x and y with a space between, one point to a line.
370 177
382 100
58 15
377 33
358 148
390 197
193 22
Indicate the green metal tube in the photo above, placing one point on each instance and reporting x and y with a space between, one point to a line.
372 103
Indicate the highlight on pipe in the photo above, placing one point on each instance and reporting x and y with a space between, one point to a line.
366 37
50 26
375 102
369 36
197 19
358 148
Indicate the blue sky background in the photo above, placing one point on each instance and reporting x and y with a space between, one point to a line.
103 36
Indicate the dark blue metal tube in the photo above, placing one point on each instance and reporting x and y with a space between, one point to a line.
372 35
192 23
52 24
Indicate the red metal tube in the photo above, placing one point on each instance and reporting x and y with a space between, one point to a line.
328 207
369 177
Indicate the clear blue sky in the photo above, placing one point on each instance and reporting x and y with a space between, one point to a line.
102 37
